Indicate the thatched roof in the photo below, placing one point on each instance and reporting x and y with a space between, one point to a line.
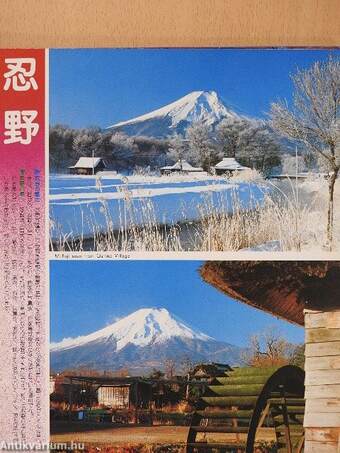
184 166
230 163
87 162
282 288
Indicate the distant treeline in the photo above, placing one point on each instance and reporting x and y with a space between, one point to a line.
121 152
252 143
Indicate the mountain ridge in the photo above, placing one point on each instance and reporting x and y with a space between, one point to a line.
203 106
141 341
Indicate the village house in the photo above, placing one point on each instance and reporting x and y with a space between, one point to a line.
228 166
117 396
88 166
125 393
61 389
306 294
203 374
208 371
181 166
117 392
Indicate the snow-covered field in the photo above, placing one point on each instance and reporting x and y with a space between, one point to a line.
114 212
79 202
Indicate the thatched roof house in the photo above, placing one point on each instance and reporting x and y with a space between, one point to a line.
228 165
305 293
180 167
283 289
208 370
88 166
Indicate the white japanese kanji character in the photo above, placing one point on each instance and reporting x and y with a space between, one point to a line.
17 122
20 74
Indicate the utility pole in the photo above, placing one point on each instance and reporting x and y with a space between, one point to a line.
296 174
92 162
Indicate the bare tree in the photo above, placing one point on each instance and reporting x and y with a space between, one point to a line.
61 151
292 164
313 120
169 368
268 348
186 365
87 141
260 147
249 141
123 146
201 147
298 356
229 134
178 149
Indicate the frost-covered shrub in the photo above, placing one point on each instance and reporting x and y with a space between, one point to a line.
144 171
292 164
288 214
249 175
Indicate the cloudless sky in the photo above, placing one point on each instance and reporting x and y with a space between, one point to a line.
104 86
88 295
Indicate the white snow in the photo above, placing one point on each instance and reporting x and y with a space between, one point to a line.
78 203
269 246
184 166
230 163
139 193
87 162
196 106
142 328
140 178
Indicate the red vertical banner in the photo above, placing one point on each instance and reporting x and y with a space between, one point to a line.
24 308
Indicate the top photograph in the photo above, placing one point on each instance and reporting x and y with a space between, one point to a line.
199 150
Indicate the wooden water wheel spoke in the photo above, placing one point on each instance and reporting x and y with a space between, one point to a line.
245 401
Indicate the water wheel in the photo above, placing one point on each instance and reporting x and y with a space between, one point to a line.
238 405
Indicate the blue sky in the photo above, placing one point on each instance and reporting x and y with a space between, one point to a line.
88 295
104 86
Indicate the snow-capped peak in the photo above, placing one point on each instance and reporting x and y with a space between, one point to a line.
204 106
142 328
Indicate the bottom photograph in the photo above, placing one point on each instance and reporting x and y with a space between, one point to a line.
191 357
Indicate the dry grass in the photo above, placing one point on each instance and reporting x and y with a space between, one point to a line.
249 175
289 215
168 448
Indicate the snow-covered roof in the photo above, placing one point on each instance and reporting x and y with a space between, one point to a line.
229 163
184 165
87 162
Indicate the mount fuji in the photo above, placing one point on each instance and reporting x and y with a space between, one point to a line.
203 106
141 341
